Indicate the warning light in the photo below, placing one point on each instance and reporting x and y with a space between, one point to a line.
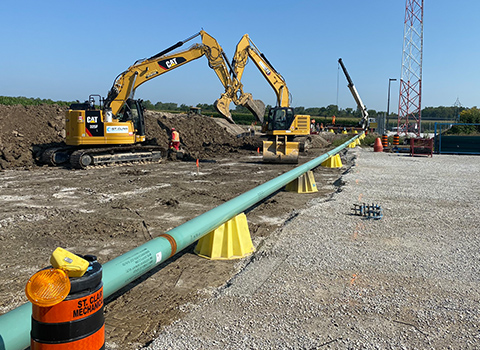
48 287
72 264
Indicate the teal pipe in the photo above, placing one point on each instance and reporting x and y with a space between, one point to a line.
117 273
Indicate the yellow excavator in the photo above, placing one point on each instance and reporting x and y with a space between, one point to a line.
287 132
115 131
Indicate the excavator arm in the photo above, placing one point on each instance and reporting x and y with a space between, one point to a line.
144 70
287 132
247 49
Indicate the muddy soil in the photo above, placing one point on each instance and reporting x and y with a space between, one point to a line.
107 211
26 131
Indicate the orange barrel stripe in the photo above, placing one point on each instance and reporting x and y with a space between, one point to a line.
385 141
396 140
84 330
70 310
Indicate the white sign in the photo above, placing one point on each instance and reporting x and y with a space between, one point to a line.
117 129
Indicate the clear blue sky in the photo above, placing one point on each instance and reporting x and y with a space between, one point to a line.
66 50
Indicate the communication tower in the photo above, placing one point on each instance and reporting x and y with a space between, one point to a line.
409 105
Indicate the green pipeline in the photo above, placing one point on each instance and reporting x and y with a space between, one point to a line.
119 272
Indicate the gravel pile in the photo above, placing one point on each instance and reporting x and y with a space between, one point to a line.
330 279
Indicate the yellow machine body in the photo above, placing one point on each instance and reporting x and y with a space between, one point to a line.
88 127
279 150
299 127
281 119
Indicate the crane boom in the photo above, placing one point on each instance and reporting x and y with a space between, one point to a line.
356 96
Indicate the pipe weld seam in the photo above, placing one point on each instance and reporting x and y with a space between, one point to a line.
172 242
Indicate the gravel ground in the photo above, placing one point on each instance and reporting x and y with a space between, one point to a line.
328 279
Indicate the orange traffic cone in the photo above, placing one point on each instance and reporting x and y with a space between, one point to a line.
377 147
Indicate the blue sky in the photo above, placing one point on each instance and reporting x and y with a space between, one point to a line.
65 50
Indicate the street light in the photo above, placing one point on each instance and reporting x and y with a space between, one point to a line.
388 102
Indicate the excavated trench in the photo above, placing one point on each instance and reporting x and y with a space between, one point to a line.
107 211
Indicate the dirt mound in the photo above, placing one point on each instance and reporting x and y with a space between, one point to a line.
200 136
24 128
319 141
26 131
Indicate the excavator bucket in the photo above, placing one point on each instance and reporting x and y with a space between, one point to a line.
280 151
222 105
256 107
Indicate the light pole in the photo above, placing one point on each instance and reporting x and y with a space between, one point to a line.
388 101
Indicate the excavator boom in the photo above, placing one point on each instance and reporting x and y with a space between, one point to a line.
144 70
247 49
281 125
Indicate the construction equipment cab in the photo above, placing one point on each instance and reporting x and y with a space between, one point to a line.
113 130
287 132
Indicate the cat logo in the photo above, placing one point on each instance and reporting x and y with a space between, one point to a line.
92 119
171 63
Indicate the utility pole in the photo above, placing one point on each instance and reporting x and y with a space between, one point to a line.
388 102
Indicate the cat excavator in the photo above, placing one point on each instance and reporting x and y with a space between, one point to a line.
115 131
287 132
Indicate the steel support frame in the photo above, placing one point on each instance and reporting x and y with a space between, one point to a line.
410 97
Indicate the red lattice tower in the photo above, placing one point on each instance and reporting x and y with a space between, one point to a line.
409 105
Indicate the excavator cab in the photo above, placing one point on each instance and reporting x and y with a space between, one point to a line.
280 118
133 111
287 133
278 148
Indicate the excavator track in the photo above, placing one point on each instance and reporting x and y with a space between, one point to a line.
87 157
54 156
83 158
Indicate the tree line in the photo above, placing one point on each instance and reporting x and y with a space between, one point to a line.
428 113
29 101
440 113
467 116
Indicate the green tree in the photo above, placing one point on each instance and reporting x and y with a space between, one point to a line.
372 113
332 110
241 109
300 110
184 108
206 107
148 105
469 116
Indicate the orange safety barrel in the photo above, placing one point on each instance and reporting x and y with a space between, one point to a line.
384 140
77 322
396 140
